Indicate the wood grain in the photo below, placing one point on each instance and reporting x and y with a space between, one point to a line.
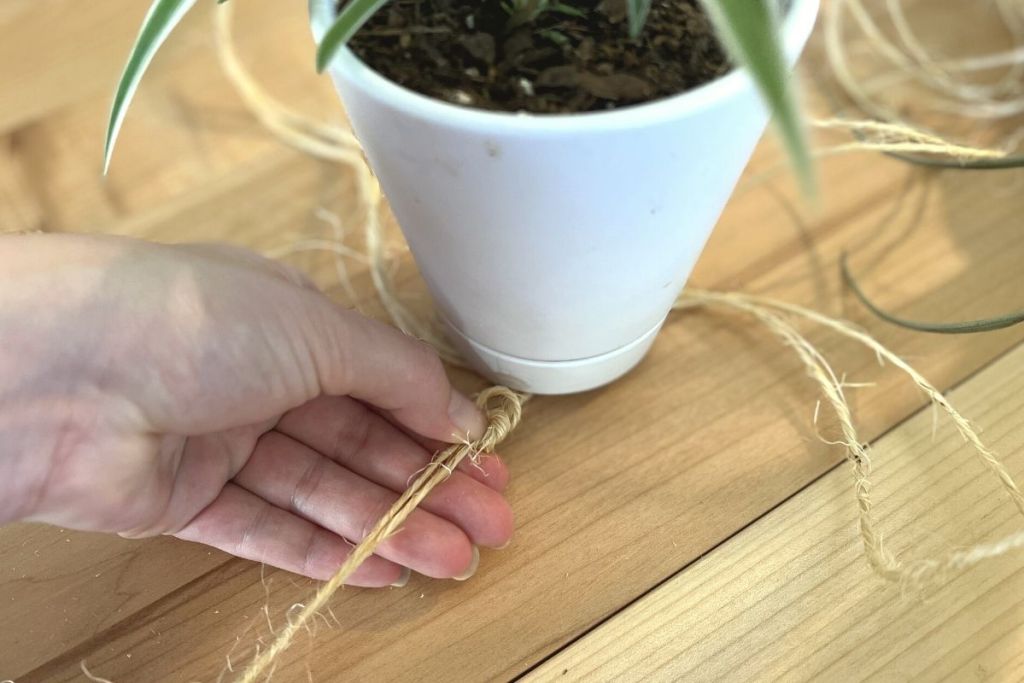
792 598
615 490
55 52
58 587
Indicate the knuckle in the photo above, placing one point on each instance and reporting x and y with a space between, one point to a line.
253 530
307 484
309 552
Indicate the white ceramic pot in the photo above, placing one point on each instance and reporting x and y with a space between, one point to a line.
555 245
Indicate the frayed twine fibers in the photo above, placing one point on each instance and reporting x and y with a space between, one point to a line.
912 62
909 74
504 407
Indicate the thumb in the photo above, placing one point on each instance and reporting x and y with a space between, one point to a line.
247 339
360 357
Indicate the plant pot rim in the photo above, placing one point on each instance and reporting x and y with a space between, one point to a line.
796 26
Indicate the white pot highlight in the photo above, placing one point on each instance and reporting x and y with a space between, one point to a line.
555 245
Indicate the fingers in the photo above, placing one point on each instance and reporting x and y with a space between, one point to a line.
346 432
246 258
295 477
351 434
245 525
487 467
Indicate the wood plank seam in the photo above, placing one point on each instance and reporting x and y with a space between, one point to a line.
925 406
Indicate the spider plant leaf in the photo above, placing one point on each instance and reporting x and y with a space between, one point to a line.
163 16
960 327
636 15
749 29
350 19
567 10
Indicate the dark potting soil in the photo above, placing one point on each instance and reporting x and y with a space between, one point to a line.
575 57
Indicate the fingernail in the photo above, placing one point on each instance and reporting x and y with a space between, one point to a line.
474 563
507 544
466 417
403 578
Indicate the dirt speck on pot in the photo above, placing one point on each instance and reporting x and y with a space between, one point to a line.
575 56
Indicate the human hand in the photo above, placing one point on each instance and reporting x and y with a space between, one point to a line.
204 392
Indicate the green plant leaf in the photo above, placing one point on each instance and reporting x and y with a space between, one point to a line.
636 14
163 16
962 327
749 29
350 19
567 10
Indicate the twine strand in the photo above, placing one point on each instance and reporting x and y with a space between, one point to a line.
912 62
330 143
504 410
912 575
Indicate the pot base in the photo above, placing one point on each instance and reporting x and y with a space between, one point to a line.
553 377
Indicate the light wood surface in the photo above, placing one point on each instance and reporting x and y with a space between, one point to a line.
791 598
707 451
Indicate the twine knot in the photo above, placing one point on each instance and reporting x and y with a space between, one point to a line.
504 409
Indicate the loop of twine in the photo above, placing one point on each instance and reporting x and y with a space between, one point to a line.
504 406
912 61
911 575
945 80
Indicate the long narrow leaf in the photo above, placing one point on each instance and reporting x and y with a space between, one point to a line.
163 16
636 13
750 31
961 327
350 19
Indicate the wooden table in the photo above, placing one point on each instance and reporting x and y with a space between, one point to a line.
687 522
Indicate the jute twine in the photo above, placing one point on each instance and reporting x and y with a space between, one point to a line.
911 574
899 74
503 406
911 61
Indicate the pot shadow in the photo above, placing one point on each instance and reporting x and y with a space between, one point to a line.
803 226
866 250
